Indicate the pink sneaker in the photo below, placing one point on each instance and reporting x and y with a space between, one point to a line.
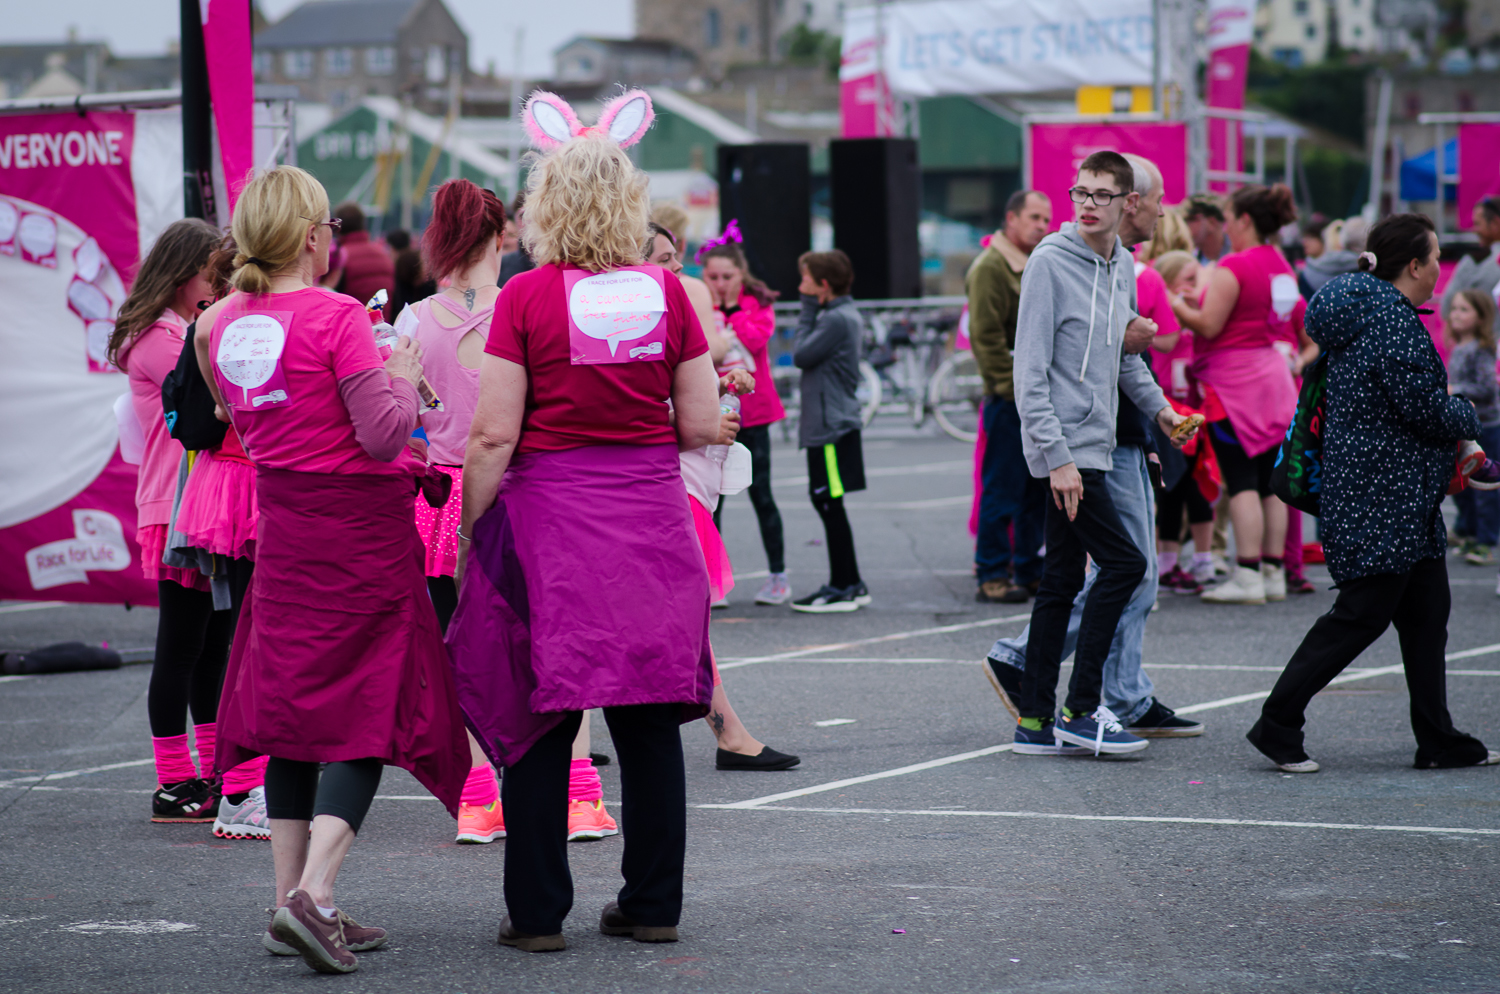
479 825
320 940
587 820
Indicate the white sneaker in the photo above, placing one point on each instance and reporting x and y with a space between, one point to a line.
1244 586
1274 578
1203 571
722 602
1221 565
1306 766
245 820
776 590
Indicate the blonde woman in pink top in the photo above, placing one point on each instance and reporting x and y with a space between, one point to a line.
192 639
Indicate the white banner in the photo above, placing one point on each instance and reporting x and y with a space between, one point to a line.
1001 46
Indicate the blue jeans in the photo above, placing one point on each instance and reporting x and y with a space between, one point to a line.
1009 495
1479 510
1127 690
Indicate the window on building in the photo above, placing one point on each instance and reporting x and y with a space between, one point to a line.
338 61
1312 31
297 63
380 61
1413 104
1465 103
437 63
262 63
1359 31
807 11
742 36
1299 7
713 29
1289 57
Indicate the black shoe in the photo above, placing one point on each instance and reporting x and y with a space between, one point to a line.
1021 593
862 594
767 760
598 759
189 801
614 922
1006 680
829 600
1161 722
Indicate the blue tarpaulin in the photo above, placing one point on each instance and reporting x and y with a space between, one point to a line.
1419 174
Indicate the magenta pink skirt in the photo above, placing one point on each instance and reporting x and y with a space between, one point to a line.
219 511
438 527
153 542
715 556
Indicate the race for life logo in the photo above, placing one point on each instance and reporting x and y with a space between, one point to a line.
249 357
98 543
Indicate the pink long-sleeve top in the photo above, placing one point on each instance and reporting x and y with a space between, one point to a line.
753 324
147 360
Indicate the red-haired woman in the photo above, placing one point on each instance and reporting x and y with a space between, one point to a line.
745 303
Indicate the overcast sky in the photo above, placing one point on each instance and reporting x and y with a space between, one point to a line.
143 27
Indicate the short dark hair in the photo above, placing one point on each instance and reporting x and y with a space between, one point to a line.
833 267
351 215
1017 202
1270 208
1396 241
1491 207
652 230
398 239
1112 164
1203 205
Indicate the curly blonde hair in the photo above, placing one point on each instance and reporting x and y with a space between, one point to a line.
1171 235
587 204
271 221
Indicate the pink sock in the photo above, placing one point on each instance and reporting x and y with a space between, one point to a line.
480 789
247 776
583 782
1166 562
173 764
204 737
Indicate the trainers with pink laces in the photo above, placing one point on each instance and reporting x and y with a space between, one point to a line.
587 821
479 825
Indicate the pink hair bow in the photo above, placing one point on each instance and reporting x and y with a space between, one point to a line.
731 234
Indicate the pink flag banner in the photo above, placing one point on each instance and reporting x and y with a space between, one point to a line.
231 87
1057 149
81 197
862 86
1230 30
1478 168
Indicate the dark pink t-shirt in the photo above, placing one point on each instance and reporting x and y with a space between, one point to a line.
605 403
1153 301
1269 301
285 401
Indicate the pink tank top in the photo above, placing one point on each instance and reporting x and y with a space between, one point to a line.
456 385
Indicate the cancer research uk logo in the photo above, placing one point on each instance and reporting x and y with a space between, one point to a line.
98 543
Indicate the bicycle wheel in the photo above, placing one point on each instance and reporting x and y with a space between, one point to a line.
954 393
868 392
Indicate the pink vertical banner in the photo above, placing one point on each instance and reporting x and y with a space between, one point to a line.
862 86
1478 168
231 87
1230 29
1057 149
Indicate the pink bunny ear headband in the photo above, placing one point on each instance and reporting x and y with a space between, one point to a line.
550 122
731 235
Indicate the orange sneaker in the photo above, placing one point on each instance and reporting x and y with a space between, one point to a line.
587 820
478 825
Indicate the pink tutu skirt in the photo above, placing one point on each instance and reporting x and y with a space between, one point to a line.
715 556
438 526
219 512
153 542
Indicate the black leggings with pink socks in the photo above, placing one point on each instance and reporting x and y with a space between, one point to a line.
192 649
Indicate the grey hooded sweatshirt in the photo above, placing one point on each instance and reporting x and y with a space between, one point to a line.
1070 361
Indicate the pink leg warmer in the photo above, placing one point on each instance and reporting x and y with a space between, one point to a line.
480 789
583 782
247 776
173 764
204 737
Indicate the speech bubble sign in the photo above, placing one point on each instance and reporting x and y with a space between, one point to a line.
616 307
249 350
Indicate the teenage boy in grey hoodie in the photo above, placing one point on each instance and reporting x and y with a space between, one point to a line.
1070 365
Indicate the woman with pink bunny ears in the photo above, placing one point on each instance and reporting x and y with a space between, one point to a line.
581 582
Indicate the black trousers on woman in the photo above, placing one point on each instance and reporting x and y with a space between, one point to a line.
653 813
1417 603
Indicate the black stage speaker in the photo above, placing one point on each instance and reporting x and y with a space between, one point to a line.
766 188
876 188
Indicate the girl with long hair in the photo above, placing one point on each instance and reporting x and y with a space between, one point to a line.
192 639
1471 374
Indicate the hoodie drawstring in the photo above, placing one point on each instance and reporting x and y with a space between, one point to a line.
1093 294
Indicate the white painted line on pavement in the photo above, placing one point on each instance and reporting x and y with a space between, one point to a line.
8 679
1483 650
894 637
1153 820
963 465
17 781
30 606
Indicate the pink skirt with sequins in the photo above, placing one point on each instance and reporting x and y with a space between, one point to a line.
438 527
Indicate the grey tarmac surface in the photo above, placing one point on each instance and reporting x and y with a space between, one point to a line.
1195 867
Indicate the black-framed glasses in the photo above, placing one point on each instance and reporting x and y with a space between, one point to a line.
1099 198
336 224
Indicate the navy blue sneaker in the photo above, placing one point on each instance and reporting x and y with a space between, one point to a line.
1042 742
1099 732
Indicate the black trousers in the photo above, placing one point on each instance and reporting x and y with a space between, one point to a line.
1097 532
1417 603
295 790
843 567
444 594
192 650
758 441
653 814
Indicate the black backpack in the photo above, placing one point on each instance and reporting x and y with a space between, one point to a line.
1297 477
187 403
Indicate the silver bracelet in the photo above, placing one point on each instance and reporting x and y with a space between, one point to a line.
459 531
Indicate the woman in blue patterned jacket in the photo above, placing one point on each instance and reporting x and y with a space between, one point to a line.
1390 443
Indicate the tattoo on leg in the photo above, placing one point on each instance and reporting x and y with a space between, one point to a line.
717 721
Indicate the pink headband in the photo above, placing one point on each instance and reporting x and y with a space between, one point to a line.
731 235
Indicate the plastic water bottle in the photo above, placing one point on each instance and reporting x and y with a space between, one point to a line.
729 404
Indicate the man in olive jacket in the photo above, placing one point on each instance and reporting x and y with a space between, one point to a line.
1009 495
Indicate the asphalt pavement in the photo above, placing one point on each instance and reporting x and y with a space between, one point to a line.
911 851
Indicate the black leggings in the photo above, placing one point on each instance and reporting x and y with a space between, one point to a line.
444 594
758 441
1169 509
240 572
843 569
295 791
192 649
